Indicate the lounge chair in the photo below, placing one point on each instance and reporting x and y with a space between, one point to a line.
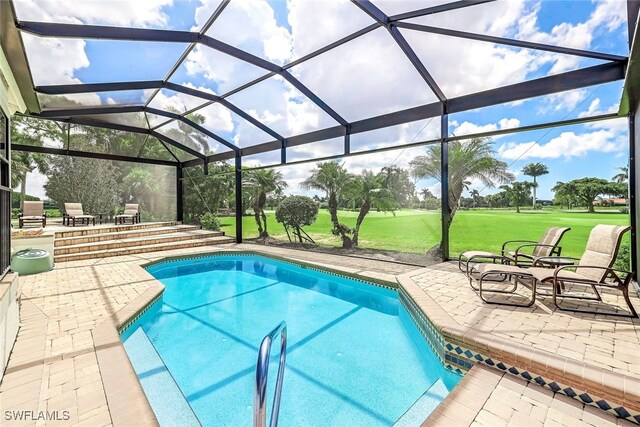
523 254
73 212
594 269
131 212
33 212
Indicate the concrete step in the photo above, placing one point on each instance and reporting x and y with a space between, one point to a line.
219 240
88 230
137 241
124 234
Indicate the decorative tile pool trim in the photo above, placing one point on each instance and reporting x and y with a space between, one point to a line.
460 357
339 273
132 322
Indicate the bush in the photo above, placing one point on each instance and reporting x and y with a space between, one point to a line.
210 221
624 210
623 260
15 212
296 212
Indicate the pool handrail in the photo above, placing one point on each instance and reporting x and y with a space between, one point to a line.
262 371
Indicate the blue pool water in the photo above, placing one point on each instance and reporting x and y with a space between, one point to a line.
354 358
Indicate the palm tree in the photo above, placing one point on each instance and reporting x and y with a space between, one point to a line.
475 195
623 176
535 170
187 135
332 178
23 163
471 159
261 182
366 190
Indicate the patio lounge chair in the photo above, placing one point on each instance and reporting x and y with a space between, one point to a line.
523 254
593 270
33 212
73 212
131 212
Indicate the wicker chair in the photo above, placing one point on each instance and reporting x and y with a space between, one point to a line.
73 212
594 269
131 212
33 212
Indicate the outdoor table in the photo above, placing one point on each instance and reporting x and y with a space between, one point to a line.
101 217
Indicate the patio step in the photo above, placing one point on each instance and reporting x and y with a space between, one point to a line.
124 234
154 247
176 236
101 229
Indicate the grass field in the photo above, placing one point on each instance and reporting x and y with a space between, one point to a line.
417 231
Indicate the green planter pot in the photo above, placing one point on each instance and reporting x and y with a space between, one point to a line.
31 261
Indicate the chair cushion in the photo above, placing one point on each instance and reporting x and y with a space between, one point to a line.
33 209
552 237
601 251
81 216
33 218
73 209
125 216
131 209
499 268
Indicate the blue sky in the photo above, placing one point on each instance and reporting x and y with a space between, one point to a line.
367 77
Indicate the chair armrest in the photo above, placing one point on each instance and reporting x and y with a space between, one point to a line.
44 214
506 259
20 215
540 260
609 270
504 245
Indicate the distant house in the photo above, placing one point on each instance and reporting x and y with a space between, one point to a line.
613 201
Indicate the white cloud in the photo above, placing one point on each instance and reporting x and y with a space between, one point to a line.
251 25
147 13
468 128
566 101
566 145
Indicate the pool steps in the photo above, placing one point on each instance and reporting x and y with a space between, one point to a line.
424 406
100 242
164 395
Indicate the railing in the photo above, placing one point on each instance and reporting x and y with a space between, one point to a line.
262 371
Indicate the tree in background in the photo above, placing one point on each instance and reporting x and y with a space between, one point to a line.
208 193
79 180
585 190
471 159
517 193
33 132
475 196
332 178
535 170
295 212
564 194
398 181
368 190
623 176
261 182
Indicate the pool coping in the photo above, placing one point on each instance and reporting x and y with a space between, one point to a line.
128 404
466 347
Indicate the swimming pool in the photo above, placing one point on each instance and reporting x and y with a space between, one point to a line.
354 355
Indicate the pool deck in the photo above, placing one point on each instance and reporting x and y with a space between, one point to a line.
68 357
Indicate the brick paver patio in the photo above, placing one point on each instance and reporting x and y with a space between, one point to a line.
54 365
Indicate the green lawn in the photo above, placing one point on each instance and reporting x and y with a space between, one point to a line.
417 231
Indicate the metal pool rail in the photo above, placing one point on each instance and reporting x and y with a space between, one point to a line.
262 371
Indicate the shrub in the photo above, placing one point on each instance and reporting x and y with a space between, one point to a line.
623 260
624 210
296 212
210 221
